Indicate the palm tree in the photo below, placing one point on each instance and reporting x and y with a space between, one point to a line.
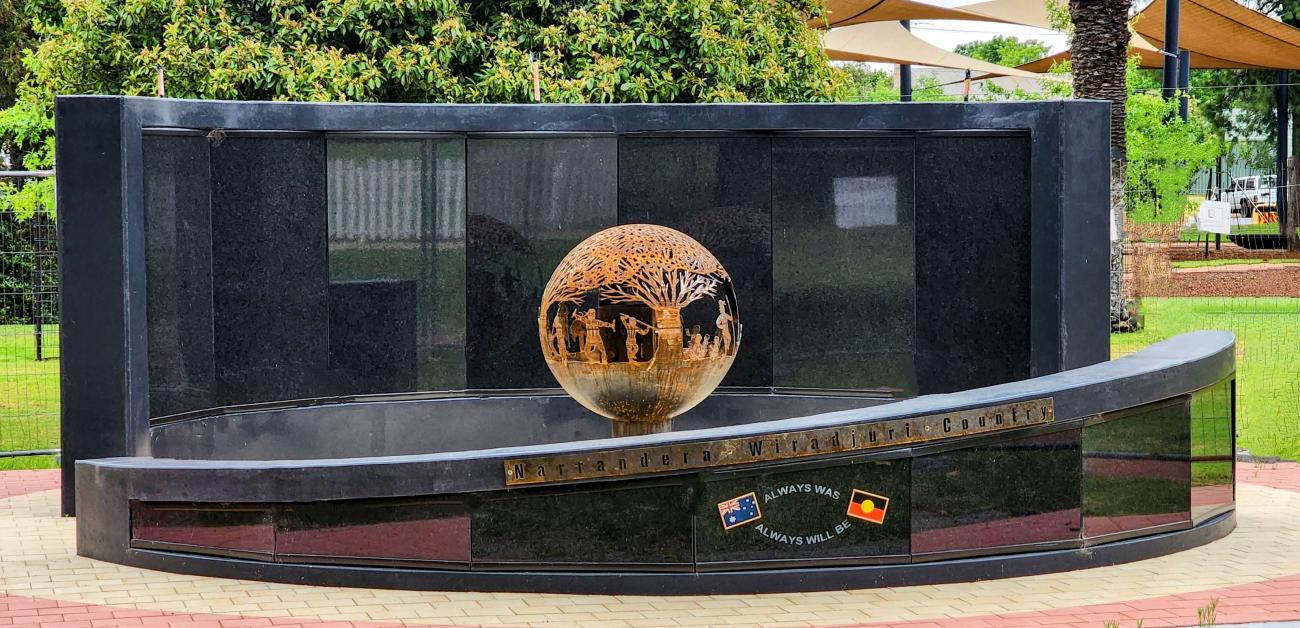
1098 60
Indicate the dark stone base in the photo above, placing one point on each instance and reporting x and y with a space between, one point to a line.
710 583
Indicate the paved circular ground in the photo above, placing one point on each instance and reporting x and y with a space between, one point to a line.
1253 573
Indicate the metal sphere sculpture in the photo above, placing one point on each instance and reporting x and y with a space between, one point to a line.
612 331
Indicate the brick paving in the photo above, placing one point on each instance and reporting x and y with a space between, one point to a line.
1254 574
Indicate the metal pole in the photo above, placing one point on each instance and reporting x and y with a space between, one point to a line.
905 74
1184 81
1170 84
1280 189
37 226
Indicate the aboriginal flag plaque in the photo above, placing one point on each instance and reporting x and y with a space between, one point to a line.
806 514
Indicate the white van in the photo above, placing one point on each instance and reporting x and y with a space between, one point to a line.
1247 192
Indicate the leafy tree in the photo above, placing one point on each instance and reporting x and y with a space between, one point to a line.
417 51
1005 50
1164 153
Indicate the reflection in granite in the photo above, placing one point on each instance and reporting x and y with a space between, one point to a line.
372 336
178 273
530 200
230 527
270 281
972 269
625 525
717 190
409 530
1012 493
804 516
844 261
1212 427
397 213
1135 469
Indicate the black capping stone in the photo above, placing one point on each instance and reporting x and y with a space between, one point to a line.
530 200
1010 493
178 267
1212 436
972 261
804 516
844 263
717 190
1136 471
270 268
648 525
397 212
372 336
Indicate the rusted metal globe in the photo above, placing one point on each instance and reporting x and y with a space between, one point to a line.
639 324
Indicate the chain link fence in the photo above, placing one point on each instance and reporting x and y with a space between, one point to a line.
29 330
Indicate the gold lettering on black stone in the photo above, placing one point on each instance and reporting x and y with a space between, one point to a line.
883 433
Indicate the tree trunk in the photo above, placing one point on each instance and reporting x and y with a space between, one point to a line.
1292 203
1099 57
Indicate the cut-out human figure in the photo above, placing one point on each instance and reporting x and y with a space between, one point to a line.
593 346
695 348
559 333
715 347
633 328
724 328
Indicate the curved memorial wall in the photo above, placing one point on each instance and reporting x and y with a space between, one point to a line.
294 332
1108 463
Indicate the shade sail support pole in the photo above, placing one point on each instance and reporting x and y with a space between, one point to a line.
1184 81
1169 87
905 74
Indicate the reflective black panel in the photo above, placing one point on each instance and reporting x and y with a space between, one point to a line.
972 261
530 200
1213 411
718 191
844 260
806 515
178 267
270 278
1135 469
396 264
650 525
1023 491
205 528
382 531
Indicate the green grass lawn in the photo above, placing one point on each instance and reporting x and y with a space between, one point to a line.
29 395
1198 263
1268 359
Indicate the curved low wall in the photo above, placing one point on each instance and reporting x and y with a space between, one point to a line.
1108 463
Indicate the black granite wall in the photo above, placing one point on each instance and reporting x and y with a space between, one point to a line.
306 265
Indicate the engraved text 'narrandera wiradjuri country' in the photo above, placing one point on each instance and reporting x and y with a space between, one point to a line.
770 447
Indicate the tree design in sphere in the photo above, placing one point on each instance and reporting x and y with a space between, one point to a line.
647 264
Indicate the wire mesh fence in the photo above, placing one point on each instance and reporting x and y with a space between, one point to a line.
29 332
1248 282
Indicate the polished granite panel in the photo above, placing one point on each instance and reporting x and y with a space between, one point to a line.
248 529
270 272
648 525
972 261
1212 426
397 213
409 530
1011 493
717 190
178 273
805 515
844 262
530 200
1135 469
372 336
